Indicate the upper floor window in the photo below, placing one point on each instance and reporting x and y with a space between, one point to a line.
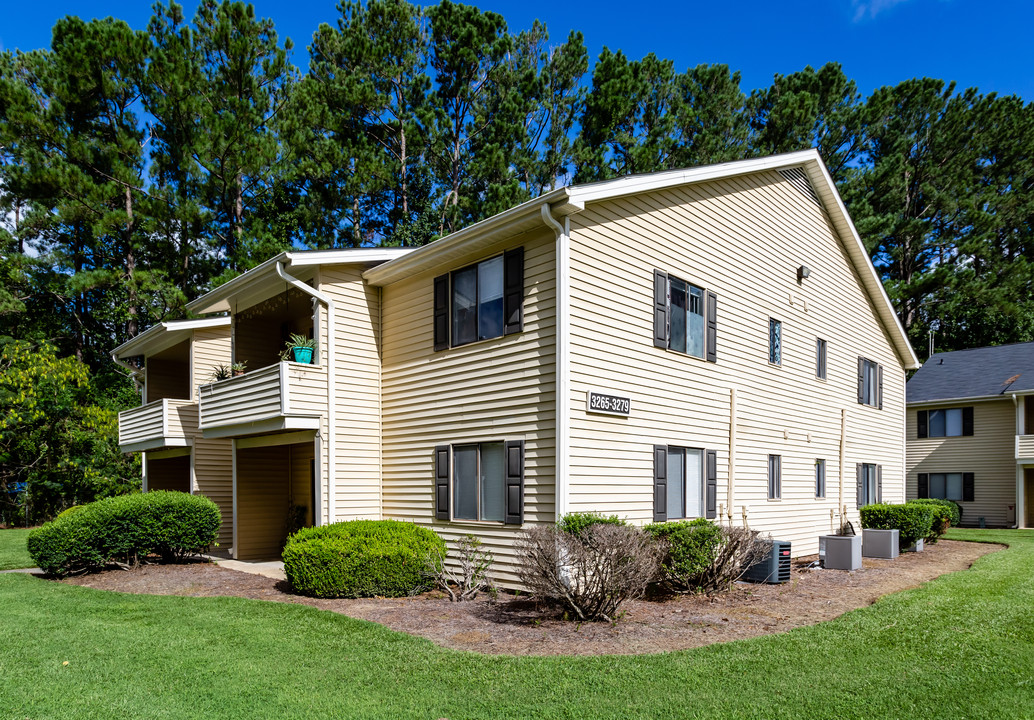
775 477
480 301
820 359
820 478
870 383
870 484
947 486
775 342
945 422
685 317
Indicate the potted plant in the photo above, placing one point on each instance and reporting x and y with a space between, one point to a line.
221 372
300 349
239 368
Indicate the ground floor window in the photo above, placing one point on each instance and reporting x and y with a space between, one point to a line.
685 483
946 486
479 481
868 484
820 478
775 477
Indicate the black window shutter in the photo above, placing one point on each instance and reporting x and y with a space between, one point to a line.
861 379
513 291
712 327
441 312
879 483
967 486
923 491
711 489
441 482
922 417
660 483
514 482
660 308
860 478
967 421
879 386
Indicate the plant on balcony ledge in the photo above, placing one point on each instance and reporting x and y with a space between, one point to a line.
238 368
300 349
225 372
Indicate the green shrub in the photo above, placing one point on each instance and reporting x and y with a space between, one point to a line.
576 523
914 521
946 514
361 558
690 549
124 529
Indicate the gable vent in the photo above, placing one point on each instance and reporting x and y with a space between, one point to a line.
799 180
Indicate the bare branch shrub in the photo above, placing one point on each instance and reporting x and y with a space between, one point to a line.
590 573
738 550
470 577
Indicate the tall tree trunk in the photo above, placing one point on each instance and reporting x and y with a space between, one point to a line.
133 325
238 218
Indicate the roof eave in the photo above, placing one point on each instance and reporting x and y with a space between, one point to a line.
165 334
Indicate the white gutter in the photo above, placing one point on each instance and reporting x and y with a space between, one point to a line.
562 396
134 373
331 379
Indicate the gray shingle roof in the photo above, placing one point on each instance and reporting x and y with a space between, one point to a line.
979 372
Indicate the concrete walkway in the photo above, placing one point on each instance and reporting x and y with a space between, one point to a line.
24 570
271 569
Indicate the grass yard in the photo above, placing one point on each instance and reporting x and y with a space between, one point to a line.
961 646
12 549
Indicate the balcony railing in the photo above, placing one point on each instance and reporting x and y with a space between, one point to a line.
1025 447
285 396
160 424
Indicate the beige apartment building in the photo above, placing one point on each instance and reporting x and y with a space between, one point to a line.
710 342
971 433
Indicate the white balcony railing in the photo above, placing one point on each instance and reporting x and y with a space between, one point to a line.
1024 447
158 424
279 397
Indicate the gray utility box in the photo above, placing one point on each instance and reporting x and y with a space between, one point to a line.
918 547
880 543
774 567
841 552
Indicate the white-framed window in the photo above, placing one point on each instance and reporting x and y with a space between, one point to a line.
870 385
868 484
775 341
775 477
477 302
820 359
685 483
686 322
944 422
946 486
820 478
479 482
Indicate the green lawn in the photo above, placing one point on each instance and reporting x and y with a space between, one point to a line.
12 550
961 646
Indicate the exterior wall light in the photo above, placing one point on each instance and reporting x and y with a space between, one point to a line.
803 272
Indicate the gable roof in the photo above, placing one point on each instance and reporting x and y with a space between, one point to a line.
986 372
573 199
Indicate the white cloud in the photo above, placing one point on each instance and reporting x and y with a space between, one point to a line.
871 8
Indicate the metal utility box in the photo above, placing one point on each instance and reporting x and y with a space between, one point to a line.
841 552
880 543
774 567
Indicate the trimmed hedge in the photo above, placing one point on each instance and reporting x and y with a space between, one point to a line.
690 550
576 523
947 514
914 521
361 558
124 529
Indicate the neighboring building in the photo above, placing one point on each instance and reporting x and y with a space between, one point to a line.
971 433
711 342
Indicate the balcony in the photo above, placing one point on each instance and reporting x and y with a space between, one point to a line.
1025 447
284 396
165 423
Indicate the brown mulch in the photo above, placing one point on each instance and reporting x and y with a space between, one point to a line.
517 626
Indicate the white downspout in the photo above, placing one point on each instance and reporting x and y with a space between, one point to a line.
331 380
562 432
732 449
134 373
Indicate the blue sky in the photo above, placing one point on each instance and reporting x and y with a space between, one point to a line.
981 43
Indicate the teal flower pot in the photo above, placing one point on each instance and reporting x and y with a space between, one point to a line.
302 355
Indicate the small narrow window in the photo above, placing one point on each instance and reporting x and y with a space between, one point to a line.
869 383
775 342
464 306
775 480
820 359
820 478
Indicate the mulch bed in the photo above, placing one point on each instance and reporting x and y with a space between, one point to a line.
517 626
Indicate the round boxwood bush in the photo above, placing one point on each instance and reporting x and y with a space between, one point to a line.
361 558
124 529
947 514
690 550
913 521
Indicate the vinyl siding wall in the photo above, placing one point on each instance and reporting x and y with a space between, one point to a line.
263 500
989 454
492 390
358 454
742 238
213 458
